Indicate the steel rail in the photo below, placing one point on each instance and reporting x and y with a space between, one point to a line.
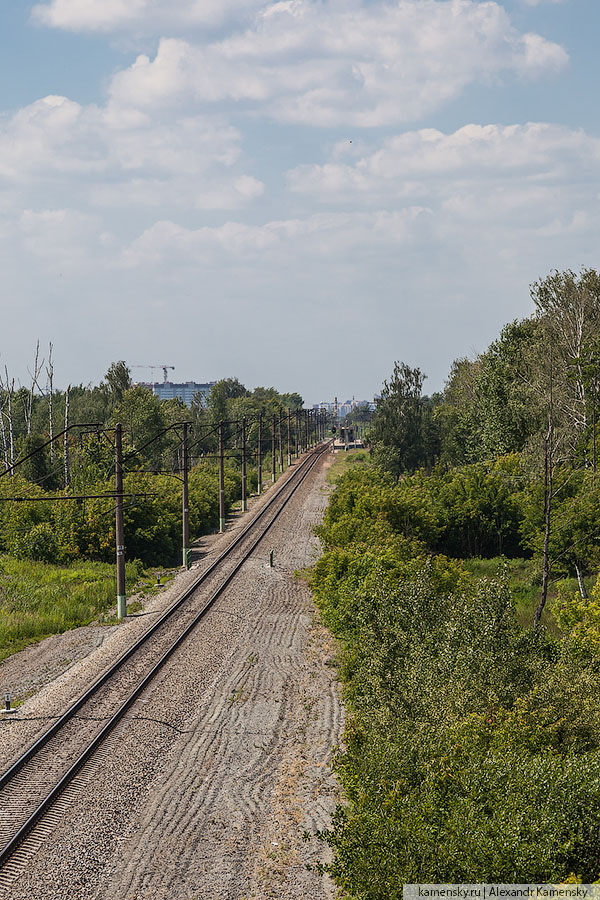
297 476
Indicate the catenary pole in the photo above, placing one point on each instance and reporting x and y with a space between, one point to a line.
221 480
244 501
119 529
280 438
185 499
273 427
259 455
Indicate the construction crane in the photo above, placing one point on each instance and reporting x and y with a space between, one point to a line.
157 366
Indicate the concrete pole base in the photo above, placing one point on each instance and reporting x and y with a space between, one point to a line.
121 606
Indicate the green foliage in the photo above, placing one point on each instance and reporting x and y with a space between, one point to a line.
143 417
470 756
508 403
491 405
38 599
399 433
363 415
524 579
221 393
575 521
118 380
40 542
472 511
579 619
479 511
66 531
37 468
93 462
472 746
458 416
63 532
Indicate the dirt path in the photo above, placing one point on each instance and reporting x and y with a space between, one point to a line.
215 775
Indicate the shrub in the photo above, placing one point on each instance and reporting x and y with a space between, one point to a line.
39 542
472 747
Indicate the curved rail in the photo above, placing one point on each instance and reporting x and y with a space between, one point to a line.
297 477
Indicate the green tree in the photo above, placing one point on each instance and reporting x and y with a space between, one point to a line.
220 394
568 308
459 415
143 417
292 401
118 379
37 468
398 434
507 389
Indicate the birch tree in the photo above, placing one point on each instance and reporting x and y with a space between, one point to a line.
9 388
548 496
569 307
28 405
50 374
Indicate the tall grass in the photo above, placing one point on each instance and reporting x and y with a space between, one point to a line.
38 599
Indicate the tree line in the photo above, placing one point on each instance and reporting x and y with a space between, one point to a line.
500 401
531 399
81 461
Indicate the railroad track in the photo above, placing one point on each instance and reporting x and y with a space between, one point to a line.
38 785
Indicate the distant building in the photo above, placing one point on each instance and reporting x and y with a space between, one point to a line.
344 407
186 391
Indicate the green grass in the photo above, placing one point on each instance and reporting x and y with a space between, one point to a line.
38 599
525 580
149 586
344 460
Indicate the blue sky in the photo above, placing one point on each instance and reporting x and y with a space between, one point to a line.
296 193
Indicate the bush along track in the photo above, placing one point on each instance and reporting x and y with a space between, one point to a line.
472 745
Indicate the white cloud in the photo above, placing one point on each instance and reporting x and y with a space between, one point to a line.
146 16
319 237
105 209
155 194
61 239
429 162
539 2
110 156
334 63
472 198
493 189
422 228
484 192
